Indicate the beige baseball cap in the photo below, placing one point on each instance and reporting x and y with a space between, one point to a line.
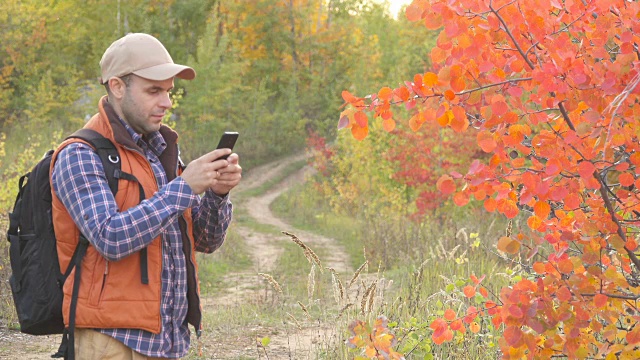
142 55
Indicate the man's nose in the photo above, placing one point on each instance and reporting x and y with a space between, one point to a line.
165 101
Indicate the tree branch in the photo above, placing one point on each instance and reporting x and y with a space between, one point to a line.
506 29
607 202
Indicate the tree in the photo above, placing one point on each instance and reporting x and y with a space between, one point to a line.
552 89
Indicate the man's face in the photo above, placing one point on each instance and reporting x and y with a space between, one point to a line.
145 103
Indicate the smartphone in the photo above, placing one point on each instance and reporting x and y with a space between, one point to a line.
227 141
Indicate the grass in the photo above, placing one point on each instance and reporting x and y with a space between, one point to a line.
419 291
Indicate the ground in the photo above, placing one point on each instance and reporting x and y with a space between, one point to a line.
288 342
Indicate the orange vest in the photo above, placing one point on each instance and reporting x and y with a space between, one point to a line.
111 294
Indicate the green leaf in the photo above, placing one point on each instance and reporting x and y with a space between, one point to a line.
265 341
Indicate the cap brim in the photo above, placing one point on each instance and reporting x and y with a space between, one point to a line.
166 71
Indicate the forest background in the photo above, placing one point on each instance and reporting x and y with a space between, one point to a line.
273 71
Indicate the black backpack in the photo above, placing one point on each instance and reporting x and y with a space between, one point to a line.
36 281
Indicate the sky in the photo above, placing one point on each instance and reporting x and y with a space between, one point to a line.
395 5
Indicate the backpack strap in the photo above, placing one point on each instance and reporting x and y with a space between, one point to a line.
106 151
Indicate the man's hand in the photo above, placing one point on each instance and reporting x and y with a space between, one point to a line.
206 172
229 177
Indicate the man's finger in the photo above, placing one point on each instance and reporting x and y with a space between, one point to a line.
215 154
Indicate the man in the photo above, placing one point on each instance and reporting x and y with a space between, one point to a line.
139 287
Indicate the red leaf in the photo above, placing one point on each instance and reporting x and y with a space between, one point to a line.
586 169
449 314
446 185
513 335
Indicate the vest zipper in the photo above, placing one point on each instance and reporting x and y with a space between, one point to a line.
104 277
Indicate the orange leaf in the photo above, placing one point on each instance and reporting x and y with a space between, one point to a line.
508 245
430 79
600 300
490 204
474 327
534 222
458 84
446 185
542 209
469 291
416 121
414 11
461 198
509 208
486 141
626 179
449 314
483 292
403 93
565 266
388 125
563 294
358 132
449 95
499 107
361 119
348 97
539 268
445 119
571 201
385 93
459 123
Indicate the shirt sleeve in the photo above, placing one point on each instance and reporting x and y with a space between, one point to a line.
79 181
211 220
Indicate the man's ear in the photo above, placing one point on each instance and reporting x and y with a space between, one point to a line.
117 87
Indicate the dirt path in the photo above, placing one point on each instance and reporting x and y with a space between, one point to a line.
265 249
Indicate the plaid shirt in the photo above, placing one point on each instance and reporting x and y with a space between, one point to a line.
79 181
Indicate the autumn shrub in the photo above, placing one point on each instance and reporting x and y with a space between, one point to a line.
551 89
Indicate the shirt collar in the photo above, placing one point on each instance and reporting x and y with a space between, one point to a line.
154 141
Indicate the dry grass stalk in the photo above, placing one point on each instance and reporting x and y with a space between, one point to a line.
344 308
304 309
311 282
295 321
272 281
367 299
372 294
336 286
308 253
357 273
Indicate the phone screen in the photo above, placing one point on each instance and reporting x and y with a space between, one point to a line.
227 141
